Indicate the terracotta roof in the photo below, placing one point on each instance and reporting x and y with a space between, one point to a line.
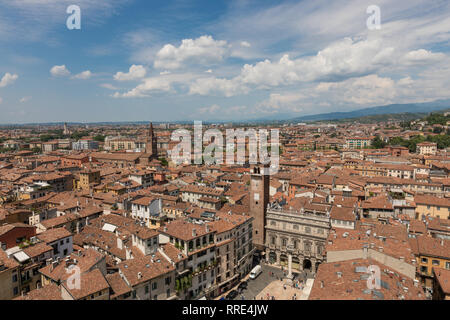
118 285
142 269
90 283
52 235
442 276
48 292
183 230
347 280
342 213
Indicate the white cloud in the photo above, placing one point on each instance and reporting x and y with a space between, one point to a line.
245 44
8 79
24 99
161 83
203 50
142 90
211 110
109 86
207 86
34 20
277 102
83 75
134 73
422 56
218 112
340 60
59 71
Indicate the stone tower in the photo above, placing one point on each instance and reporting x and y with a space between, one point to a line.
151 145
66 130
259 198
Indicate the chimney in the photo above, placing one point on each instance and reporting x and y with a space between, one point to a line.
139 275
165 229
321 284
207 228
194 232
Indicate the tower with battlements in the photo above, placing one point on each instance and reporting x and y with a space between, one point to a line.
151 143
259 198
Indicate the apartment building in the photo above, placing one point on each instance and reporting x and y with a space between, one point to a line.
60 240
193 194
143 177
85 144
441 284
9 277
427 148
427 205
196 241
234 249
358 142
13 234
431 253
88 179
150 277
75 160
149 211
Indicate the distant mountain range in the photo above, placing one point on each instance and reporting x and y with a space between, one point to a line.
407 111
425 107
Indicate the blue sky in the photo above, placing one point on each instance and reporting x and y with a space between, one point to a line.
217 60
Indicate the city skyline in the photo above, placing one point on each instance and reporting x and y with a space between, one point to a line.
176 60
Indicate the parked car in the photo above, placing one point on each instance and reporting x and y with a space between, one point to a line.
233 294
242 286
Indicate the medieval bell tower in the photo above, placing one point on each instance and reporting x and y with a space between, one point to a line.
151 144
259 198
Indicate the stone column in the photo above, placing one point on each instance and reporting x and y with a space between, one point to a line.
313 265
289 276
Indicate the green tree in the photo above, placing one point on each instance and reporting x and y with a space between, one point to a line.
164 162
378 143
36 150
99 138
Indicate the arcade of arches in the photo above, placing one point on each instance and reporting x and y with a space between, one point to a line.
298 262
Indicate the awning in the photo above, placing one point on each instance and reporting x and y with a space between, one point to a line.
109 227
21 256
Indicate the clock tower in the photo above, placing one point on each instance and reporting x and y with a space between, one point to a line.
259 198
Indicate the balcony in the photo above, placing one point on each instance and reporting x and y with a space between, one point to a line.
25 281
